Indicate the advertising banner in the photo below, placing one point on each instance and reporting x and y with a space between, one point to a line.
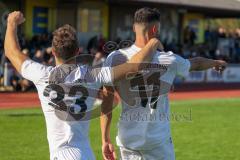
232 74
195 77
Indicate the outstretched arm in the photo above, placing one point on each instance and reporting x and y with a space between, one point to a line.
11 45
200 63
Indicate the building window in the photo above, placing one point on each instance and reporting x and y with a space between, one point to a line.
89 20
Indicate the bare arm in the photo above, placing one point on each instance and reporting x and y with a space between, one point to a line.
11 45
135 63
106 112
105 123
200 63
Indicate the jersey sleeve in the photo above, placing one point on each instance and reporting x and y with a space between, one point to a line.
34 71
114 59
182 66
99 75
105 76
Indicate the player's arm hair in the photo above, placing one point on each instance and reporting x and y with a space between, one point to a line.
136 62
106 112
12 47
200 63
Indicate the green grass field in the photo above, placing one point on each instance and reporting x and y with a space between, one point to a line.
211 133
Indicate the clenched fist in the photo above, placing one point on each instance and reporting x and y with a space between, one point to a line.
15 18
220 65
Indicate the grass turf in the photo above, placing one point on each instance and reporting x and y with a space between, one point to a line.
211 132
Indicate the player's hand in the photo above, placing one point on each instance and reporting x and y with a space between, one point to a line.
220 65
108 151
15 18
157 45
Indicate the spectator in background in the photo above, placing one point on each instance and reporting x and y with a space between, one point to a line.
95 44
15 82
213 42
92 45
189 36
231 39
22 40
1 43
193 37
99 58
20 84
237 45
95 49
222 32
1 80
223 43
186 35
207 35
38 56
26 52
47 57
26 85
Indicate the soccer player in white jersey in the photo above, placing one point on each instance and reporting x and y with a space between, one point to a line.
144 128
64 91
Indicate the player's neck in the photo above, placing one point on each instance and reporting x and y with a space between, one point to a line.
141 41
61 62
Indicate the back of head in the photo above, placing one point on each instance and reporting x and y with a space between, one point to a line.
147 22
146 16
65 43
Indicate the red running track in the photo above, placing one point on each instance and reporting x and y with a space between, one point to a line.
30 100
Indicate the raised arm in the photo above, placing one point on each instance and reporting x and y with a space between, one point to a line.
200 63
11 45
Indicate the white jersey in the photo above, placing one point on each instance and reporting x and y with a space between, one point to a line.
66 94
144 121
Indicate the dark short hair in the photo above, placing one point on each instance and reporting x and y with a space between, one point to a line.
65 42
146 15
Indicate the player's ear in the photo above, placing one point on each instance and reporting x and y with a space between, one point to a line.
154 29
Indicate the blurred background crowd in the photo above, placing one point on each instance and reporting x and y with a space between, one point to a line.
38 48
191 28
218 44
